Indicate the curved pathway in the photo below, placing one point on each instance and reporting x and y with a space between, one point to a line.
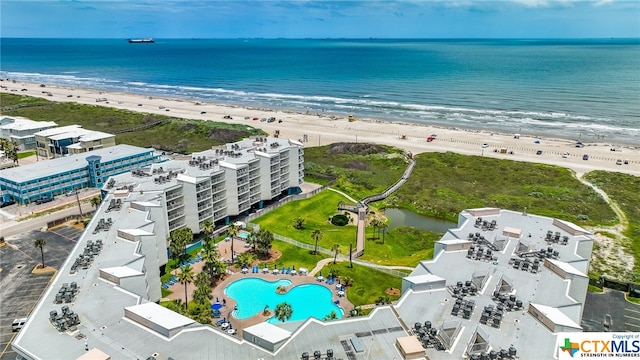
611 252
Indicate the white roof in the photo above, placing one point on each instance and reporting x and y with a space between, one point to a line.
160 315
57 130
566 267
121 271
271 333
28 124
135 232
555 315
423 279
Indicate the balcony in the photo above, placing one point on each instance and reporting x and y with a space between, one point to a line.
175 215
174 195
174 205
217 180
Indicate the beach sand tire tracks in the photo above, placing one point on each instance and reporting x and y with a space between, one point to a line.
609 256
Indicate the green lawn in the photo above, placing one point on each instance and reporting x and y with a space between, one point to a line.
294 256
24 154
594 289
368 284
315 211
403 245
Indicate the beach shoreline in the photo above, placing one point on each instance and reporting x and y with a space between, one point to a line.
316 129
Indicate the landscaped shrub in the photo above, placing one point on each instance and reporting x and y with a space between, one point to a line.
340 220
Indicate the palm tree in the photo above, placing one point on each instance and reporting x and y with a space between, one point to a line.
336 249
283 311
178 241
203 279
375 223
316 235
202 294
298 223
40 243
252 239
207 227
233 231
210 255
95 201
331 316
185 276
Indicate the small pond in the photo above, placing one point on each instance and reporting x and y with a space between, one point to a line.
402 217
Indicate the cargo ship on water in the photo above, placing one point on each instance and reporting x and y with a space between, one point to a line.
139 41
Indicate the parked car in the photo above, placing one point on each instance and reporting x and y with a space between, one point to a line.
485 145
565 154
619 162
18 324
585 157
626 161
539 152
7 203
44 199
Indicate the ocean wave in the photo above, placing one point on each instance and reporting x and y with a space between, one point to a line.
363 105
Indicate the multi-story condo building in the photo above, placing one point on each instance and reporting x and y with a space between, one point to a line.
21 130
502 285
71 139
220 183
48 178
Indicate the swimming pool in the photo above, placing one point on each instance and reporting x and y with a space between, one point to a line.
306 300
243 234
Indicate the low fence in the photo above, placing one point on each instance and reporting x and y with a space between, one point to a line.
384 269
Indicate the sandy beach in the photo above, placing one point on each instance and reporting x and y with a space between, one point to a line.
322 129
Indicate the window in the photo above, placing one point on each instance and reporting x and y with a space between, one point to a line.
97 166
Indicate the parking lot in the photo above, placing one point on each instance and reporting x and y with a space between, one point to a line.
610 311
21 289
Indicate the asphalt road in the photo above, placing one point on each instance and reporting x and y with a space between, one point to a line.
610 311
14 228
20 288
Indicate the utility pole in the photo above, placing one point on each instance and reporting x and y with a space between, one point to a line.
350 254
79 206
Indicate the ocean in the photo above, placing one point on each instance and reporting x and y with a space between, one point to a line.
578 89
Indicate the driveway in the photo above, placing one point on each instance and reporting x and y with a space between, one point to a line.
20 288
610 311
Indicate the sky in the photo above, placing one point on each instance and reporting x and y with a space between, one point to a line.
320 19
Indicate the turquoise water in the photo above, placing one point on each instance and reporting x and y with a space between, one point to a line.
575 88
306 300
243 235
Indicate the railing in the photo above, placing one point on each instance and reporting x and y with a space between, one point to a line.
394 187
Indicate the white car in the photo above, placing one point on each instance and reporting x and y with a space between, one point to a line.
485 145
565 154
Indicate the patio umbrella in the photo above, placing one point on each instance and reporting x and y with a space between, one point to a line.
216 306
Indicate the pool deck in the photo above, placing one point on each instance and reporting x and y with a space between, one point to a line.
238 324
218 291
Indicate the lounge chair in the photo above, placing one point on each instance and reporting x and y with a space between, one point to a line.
165 286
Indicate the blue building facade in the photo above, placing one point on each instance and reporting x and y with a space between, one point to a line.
49 178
